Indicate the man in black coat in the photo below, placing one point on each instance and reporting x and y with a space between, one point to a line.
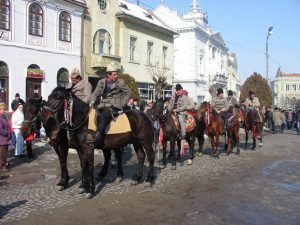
16 102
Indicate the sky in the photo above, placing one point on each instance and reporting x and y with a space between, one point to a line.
244 24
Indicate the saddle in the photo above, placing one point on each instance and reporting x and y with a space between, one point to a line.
232 121
118 126
190 122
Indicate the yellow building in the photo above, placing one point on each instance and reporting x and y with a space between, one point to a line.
130 37
286 89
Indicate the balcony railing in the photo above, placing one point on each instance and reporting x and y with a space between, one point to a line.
104 60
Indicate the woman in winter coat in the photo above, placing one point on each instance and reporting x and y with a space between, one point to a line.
5 138
16 121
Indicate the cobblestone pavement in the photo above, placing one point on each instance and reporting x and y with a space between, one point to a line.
30 186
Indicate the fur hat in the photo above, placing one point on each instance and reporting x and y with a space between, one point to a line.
111 69
178 87
220 91
230 93
2 105
17 95
251 92
75 73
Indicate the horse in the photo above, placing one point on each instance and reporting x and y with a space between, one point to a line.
52 114
213 123
171 133
233 127
253 123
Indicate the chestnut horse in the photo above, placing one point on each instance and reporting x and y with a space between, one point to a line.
213 123
233 127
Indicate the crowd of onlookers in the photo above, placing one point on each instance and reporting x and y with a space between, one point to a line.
277 119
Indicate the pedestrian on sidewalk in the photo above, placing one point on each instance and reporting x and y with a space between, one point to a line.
5 138
298 121
17 120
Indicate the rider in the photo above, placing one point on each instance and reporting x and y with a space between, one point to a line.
179 105
80 87
220 104
232 102
252 103
114 95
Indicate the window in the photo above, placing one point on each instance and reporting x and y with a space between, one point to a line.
35 20
102 4
132 48
149 52
294 87
287 87
5 15
64 27
214 50
164 55
102 42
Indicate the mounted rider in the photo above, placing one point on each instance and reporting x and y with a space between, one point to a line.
112 94
179 105
252 103
220 105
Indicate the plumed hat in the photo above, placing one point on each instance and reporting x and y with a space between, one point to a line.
230 93
220 91
178 87
74 73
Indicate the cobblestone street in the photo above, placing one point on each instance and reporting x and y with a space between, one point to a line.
30 186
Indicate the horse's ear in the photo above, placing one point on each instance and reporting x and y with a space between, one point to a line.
40 99
43 103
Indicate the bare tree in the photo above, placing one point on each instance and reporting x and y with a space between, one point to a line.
159 77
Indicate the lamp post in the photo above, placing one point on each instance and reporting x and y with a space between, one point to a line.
267 52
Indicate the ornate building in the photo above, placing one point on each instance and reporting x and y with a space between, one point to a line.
286 89
130 37
200 55
41 41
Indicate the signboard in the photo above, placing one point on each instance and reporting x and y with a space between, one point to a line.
35 73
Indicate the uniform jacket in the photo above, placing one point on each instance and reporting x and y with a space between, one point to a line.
183 104
17 119
118 95
5 131
220 103
252 104
232 101
82 90
277 118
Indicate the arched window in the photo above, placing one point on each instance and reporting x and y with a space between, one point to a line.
64 26
102 4
35 20
62 77
5 15
102 42
4 74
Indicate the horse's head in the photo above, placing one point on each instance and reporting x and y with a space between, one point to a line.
52 113
203 108
157 109
31 110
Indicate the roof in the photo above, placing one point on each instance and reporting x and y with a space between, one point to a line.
138 12
290 75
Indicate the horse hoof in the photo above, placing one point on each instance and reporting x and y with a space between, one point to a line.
81 190
199 154
88 195
60 188
119 179
134 183
173 168
260 145
148 184
237 153
190 162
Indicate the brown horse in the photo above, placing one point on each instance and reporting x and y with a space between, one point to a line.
214 125
233 127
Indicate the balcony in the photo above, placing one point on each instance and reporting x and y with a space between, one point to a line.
103 60
220 78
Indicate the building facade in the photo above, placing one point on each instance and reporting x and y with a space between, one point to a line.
286 89
200 54
40 42
130 37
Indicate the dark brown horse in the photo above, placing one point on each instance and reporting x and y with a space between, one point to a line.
213 123
171 133
233 127
253 123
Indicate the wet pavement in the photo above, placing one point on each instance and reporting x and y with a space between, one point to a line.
258 187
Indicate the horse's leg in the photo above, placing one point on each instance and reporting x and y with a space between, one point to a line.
62 152
229 145
246 138
212 142
254 139
191 142
104 169
164 159
217 152
29 149
151 158
200 138
120 168
172 150
137 177
237 141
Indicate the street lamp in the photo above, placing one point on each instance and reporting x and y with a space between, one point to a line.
267 52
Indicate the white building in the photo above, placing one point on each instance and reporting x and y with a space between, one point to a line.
40 42
286 89
201 57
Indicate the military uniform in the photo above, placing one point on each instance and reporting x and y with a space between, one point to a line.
220 103
82 90
232 101
252 103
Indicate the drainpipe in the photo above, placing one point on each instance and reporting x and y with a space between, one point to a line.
82 57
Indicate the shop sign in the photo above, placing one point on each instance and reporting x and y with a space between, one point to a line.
35 73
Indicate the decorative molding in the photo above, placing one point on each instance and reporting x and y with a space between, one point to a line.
35 40
66 46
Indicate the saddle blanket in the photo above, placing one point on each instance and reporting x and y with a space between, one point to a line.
118 126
